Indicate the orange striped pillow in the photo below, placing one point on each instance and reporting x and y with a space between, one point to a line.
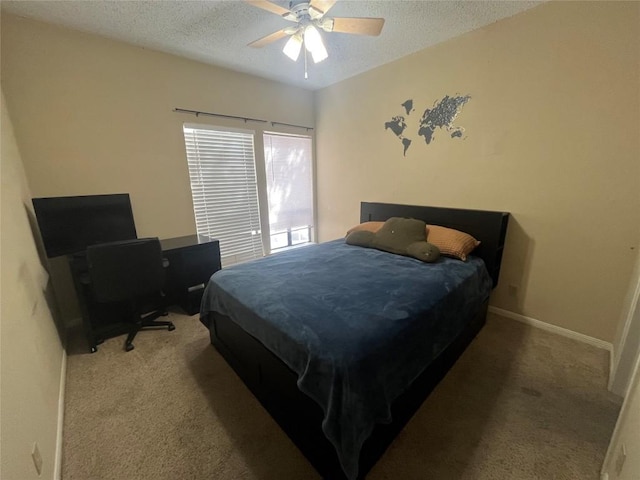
453 243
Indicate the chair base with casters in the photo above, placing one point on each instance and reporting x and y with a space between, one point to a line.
122 319
147 322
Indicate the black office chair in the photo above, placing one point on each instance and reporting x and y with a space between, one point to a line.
131 273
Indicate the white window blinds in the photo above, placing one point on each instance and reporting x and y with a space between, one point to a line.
289 172
224 189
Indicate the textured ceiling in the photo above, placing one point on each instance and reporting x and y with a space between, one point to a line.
217 32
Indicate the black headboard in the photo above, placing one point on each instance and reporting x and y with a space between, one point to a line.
487 226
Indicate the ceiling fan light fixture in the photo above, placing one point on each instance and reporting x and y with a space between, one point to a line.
309 17
292 47
326 24
313 43
314 13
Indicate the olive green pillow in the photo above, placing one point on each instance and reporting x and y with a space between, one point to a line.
398 233
360 238
402 236
425 251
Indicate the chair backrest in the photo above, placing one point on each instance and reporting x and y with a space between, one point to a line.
125 270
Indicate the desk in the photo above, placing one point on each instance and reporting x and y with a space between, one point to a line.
192 261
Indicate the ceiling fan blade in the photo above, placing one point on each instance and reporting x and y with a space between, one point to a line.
275 36
322 5
269 7
358 26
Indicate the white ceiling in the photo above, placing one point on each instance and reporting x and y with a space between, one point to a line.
217 32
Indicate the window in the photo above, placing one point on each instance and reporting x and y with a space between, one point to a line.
224 168
224 190
289 168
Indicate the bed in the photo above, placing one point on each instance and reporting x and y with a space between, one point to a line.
342 344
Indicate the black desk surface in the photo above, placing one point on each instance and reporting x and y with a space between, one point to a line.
181 242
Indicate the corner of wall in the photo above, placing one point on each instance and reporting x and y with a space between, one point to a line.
627 342
30 344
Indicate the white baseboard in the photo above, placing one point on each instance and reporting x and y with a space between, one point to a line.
57 468
595 342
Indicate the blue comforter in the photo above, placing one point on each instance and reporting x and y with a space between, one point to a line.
357 325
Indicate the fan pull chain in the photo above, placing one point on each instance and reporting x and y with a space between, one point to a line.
304 47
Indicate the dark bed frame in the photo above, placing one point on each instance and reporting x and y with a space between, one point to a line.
274 383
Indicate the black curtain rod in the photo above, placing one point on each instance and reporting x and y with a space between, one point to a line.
209 114
245 119
273 124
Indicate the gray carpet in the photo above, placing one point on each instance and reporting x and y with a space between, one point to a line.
521 403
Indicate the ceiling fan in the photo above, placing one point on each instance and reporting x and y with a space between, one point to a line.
309 18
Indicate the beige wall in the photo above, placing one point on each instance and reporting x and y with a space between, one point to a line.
551 136
95 116
31 353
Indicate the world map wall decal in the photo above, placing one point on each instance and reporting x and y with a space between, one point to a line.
442 116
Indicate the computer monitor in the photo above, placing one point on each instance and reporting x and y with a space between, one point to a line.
69 225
